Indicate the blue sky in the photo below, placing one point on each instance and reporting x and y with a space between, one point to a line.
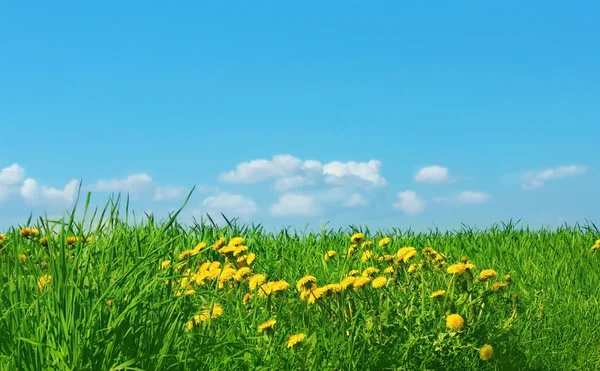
376 113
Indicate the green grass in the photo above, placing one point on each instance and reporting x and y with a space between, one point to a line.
69 326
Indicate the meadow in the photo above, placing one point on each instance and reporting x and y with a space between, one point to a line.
100 292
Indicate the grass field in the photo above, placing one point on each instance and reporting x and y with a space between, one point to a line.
100 293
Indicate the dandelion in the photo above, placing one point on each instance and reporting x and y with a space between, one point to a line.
247 297
351 250
366 243
455 321
357 237
507 278
251 257
464 259
216 312
486 352
43 281
498 286
409 256
347 282
2 238
109 302
22 258
437 293
219 243
329 254
242 273
379 282
295 339
306 283
71 240
366 256
44 241
412 268
458 268
469 266
360 282
384 241
353 273
256 280
240 249
165 264
487 274
389 270
236 241
265 326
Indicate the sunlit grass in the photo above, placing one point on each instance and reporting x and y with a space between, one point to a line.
100 293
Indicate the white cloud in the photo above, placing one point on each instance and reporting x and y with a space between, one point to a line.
11 175
293 182
469 197
260 170
410 203
169 193
35 194
356 199
231 205
432 175
352 173
295 204
133 184
535 180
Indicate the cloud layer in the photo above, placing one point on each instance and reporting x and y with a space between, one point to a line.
537 179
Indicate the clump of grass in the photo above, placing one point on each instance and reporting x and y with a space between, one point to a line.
101 293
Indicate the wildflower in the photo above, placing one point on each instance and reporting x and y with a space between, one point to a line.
165 264
379 282
43 281
458 268
71 240
273 287
29 232
596 245
347 282
242 273
487 274
351 250
357 237
247 297
295 339
44 241
389 270
366 256
219 243
507 278
251 257
256 280
455 321
437 293
464 259
370 271
409 255
306 283
498 286
486 352
412 268
2 238
109 302
329 254
384 241
265 326
22 258
428 251
388 258
360 282
240 249
469 266
353 273
366 243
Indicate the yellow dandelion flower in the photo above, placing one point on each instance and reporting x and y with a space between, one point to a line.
389 270
306 283
357 237
34 232
240 249
165 264
295 339
109 302
360 282
370 271
236 241
229 249
428 251
455 321
71 240
347 282
2 238
486 352
388 258
507 278
43 281
305 294
499 286
469 266
44 241
219 243
250 259
412 268
366 243
379 282
213 266
227 274
464 259
487 274
247 297
256 281
458 268
265 326
351 250
329 254
366 256
403 251
409 255
353 273
242 273
437 293
22 257
384 241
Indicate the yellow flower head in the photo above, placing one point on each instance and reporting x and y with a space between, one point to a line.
429 251
71 240
507 278
366 243
499 286
351 250
469 266
379 282
353 273
43 241
295 339
247 297
384 241
240 249
360 282
165 264
409 256
242 273
273 287
43 281
329 254
265 326
357 237
437 293
389 270
366 256
412 268
455 321
370 271
219 243
200 246
347 282
2 238
236 241
486 352
256 280
487 274
306 283
458 268
22 257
